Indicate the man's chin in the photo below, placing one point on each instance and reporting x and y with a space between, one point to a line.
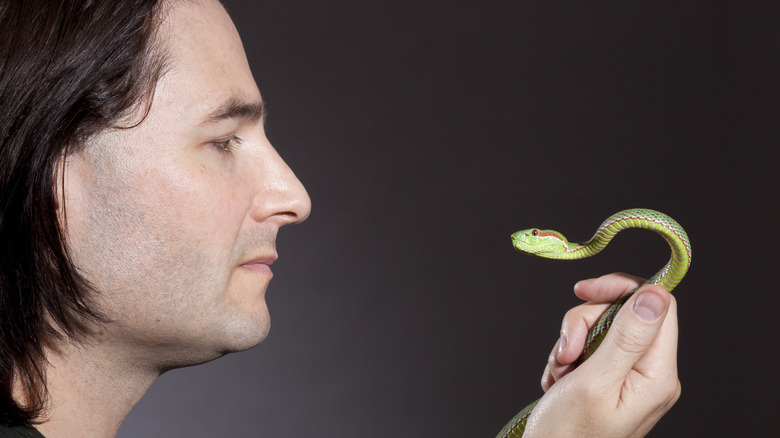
245 336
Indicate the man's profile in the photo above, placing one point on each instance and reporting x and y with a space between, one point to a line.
155 224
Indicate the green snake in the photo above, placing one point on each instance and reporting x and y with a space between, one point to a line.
552 244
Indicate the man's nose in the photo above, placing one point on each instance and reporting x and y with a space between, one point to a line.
281 197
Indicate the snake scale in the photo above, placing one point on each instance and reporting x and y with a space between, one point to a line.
552 244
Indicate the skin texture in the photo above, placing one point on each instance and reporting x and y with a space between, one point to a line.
629 383
174 227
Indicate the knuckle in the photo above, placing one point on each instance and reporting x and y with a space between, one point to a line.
671 385
552 359
558 372
668 393
547 380
571 315
675 392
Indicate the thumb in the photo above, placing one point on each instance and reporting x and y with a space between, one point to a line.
632 333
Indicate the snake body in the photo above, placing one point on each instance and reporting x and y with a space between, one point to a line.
552 244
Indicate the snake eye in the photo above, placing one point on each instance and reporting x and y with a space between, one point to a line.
535 232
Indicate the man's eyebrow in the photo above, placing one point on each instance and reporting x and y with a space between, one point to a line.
235 108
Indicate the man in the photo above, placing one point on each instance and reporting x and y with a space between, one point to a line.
140 205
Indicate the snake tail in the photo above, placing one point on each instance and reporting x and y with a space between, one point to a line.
552 244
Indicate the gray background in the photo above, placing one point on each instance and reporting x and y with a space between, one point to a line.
426 132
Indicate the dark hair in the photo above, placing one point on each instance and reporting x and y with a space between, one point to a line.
68 69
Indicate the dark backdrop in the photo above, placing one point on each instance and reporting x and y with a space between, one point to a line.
426 132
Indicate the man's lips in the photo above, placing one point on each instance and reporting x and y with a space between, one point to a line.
260 264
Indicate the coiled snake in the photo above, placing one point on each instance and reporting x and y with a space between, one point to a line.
552 244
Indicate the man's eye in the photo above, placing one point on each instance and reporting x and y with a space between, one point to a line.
227 145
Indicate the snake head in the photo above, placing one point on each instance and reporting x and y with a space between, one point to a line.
542 243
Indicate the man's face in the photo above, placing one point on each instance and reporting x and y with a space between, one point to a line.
174 221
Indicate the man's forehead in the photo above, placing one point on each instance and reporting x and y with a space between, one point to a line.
200 32
208 77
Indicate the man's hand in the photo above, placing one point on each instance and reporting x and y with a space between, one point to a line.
629 383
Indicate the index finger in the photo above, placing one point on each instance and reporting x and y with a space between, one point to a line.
607 288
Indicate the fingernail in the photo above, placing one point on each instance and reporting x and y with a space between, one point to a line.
562 343
649 306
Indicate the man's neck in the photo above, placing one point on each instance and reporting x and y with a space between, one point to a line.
91 391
